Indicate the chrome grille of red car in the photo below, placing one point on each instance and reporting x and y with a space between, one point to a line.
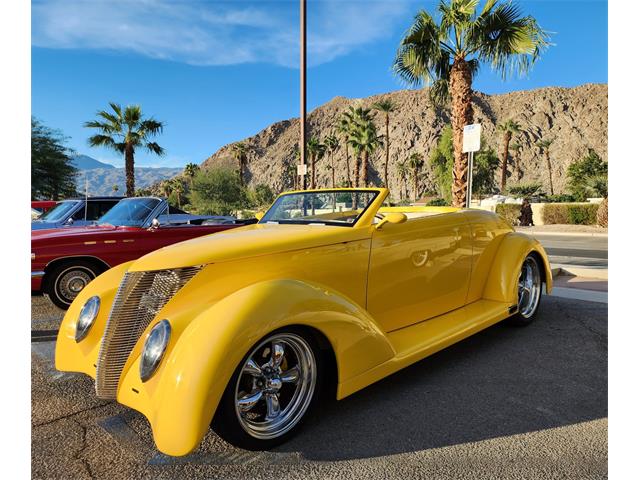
140 297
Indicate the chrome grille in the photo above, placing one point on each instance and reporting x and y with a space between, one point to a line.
140 297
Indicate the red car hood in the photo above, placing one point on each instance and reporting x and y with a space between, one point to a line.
65 233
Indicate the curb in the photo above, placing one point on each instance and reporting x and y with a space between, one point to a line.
562 234
586 272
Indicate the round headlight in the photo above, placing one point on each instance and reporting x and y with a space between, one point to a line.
153 349
87 316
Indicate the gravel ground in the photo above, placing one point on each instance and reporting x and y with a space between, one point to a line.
44 314
507 403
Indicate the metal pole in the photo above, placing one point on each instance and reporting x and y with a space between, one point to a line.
470 182
303 89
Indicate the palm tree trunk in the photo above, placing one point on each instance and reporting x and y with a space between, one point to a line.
346 146
356 170
313 172
461 115
546 155
365 168
129 170
386 160
505 156
516 166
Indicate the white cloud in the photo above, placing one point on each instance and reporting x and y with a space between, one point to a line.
215 33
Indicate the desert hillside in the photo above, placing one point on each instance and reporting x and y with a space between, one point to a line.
575 118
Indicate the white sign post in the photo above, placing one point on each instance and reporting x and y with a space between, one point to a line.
470 144
302 169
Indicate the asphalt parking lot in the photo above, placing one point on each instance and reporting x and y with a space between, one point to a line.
506 403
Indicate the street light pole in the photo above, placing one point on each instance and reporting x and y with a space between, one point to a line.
303 93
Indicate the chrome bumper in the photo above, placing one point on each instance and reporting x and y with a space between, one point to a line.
37 274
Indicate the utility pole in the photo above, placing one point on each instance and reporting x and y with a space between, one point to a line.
302 169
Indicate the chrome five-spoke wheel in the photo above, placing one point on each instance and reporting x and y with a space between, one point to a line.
270 392
529 291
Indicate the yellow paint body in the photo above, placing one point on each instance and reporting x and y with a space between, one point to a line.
383 298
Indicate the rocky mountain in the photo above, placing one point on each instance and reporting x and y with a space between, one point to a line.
574 118
102 180
85 162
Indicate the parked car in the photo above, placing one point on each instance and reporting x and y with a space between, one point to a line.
75 212
65 260
35 214
43 206
331 291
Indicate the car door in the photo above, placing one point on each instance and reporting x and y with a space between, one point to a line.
419 269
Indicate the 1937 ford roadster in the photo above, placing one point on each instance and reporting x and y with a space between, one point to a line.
243 330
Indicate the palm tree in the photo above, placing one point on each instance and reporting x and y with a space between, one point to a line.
386 107
343 128
177 187
517 148
331 142
363 139
544 146
239 151
507 128
124 131
316 150
190 171
403 170
166 188
448 54
415 163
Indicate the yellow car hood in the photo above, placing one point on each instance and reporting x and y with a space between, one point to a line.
244 242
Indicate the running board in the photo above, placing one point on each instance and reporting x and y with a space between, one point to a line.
415 342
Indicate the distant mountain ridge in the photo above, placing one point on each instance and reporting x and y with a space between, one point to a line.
100 181
85 162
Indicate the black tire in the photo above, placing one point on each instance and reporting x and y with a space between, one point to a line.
66 280
528 307
226 422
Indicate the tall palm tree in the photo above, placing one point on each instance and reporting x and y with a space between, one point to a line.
403 170
190 171
331 142
343 128
544 146
166 187
177 187
363 139
386 107
508 128
315 149
517 149
125 130
448 54
239 151
415 163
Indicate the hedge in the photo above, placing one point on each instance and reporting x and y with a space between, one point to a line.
570 213
510 212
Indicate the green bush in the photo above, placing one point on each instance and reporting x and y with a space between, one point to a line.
559 198
570 213
588 177
437 202
218 191
525 189
510 212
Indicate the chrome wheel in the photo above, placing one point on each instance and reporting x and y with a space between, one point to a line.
276 385
529 288
71 282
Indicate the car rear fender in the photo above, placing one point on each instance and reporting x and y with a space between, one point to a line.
501 284
181 399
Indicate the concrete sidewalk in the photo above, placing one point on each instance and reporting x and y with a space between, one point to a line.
580 287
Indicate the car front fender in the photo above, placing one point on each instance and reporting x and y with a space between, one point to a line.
181 399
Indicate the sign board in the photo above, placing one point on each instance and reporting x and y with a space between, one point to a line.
302 169
471 138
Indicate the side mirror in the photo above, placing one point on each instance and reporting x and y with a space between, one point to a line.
395 217
259 215
155 223
69 221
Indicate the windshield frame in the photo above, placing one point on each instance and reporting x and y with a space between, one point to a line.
365 209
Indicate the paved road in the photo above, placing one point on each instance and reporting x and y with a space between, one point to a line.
509 403
588 251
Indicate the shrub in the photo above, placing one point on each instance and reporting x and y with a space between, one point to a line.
559 198
570 213
218 191
510 212
588 177
437 202
603 214
525 189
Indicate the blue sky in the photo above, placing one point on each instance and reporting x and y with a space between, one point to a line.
219 71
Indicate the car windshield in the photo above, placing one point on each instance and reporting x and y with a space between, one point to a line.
332 207
59 212
130 212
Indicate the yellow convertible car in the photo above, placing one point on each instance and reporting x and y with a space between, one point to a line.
243 330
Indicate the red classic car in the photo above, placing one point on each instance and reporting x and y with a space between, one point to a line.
64 261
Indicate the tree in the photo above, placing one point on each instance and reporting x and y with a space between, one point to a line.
166 188
53 175
415 163
239 151
124 131
386 107
332 143
218 191
363 139
517 149
190 170
544 146
588 177
262 196
507 128
403 170
177 190
485 164
447 56
343 128
316 150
